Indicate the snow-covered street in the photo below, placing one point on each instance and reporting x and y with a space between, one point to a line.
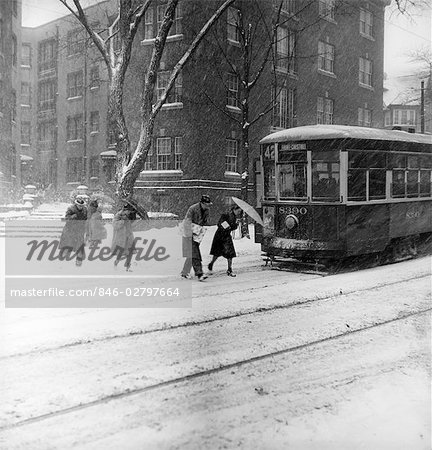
268 359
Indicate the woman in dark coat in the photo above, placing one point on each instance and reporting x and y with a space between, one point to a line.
73 235
222 244
96 231
123 237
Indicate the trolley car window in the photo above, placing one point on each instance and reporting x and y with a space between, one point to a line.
325 176
411 175
269 180
366 176
425 183
292 174
269 177
398 185
413 183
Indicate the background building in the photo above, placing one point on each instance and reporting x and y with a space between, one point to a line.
10 128
327 67
402 103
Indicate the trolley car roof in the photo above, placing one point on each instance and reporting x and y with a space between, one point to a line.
318 132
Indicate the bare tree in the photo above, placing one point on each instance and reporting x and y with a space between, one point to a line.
130 162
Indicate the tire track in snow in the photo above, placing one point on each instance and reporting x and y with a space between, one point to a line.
203 373
191 323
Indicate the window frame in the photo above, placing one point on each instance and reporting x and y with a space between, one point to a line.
365 72
232 91
326 9
366 23
163 152
75 84
231 155
233 19
74 128
326 57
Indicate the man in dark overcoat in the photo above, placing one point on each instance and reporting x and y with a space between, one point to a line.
194 229
73 235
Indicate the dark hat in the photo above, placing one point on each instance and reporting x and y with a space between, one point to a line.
205 199
79 201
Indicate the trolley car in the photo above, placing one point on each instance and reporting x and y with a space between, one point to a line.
330 192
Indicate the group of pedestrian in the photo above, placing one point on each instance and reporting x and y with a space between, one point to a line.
85 225
194 224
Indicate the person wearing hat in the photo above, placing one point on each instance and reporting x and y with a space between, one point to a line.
73 234
96 230
194 229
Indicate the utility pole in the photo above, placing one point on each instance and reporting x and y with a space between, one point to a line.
422 109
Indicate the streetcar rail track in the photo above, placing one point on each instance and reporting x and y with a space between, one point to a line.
192 376
193 323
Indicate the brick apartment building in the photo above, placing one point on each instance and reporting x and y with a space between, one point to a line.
327 68
10 43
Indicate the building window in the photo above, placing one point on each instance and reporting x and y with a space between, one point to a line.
25 94
149 24
364 117
178 143
14 50
94 167
47 132
152 26
75 42
163 153
25 133
404 117
233 20
13 105
285 49
94 77
175 95
176 27
284 112
94 122
326 57
75 84
327 9
231 155
232 90
47 55
387 119
365 72
148 165
26 55
74 128
325 107
47 92
74 170
366 23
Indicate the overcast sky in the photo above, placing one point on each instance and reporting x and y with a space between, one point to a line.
403 33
